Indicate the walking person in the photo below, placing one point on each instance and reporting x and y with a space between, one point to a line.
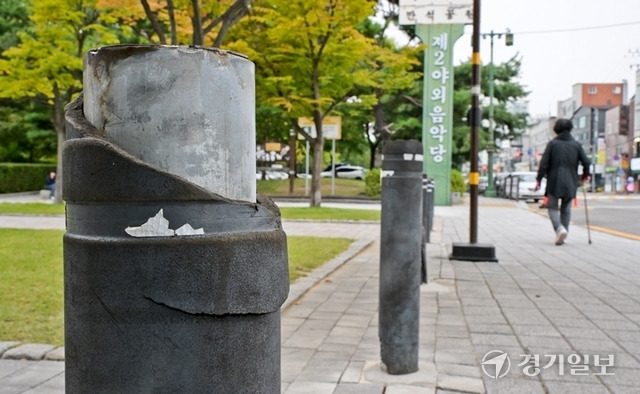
559 165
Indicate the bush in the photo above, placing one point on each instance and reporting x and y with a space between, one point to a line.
15 178
457 181
372 185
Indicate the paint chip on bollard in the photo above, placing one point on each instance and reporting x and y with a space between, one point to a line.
188 230
158 226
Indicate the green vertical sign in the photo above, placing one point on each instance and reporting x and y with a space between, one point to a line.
437 104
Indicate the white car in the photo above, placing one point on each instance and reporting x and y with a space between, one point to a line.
525 182
346 171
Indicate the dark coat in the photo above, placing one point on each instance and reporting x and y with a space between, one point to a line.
560 165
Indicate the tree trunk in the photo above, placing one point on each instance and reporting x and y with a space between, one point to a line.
157 28
316 181
59 125
196 22
172 22
373 148
292 160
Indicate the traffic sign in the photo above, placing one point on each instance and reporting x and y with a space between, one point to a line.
331 127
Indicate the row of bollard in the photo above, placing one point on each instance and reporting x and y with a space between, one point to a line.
407 200
174 271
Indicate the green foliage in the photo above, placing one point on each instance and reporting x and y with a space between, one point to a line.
405 111
393 72
309 57
372 185
16 178
48 61
457 181
507 90
272 124
313 69
26 133
13 18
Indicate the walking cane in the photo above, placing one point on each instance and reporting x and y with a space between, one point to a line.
586 212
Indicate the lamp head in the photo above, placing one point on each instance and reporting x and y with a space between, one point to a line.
508 38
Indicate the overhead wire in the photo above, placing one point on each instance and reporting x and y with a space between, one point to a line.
578 28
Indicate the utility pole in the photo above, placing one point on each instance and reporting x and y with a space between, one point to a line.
474 251
490 191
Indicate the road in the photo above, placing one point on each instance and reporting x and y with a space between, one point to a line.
617 216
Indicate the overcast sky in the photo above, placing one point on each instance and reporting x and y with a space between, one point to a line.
561 42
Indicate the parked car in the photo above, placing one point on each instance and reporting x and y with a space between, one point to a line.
482 185
525 183
498 183
345 171
336 165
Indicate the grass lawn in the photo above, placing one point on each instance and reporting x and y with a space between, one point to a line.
307 253
31 279
322 213
35 208
31 286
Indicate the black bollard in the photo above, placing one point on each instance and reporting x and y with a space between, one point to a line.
400 255
174 271
431 186
427 220
425 229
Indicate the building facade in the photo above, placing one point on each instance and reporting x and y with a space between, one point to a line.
598 95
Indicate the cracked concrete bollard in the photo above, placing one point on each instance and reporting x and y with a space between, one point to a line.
400 255
174 272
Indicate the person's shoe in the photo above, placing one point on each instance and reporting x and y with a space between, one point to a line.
561 234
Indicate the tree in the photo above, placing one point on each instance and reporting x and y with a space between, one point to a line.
393 70
312 71
195 22
46 65
26 133
506 92
13 18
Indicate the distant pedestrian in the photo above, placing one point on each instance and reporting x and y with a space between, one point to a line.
559 165
50 182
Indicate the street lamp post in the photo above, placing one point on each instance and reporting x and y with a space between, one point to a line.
490 191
